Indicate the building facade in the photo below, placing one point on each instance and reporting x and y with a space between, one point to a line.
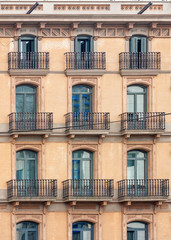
85 120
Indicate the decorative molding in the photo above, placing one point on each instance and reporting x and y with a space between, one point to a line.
136 7
82 7
161 32
111 32
56 32
19 7
6 31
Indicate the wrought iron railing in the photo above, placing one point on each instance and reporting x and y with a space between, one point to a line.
28 60
143 121
85 60
40 188
87 121
88 188
27 121
139 60
143 188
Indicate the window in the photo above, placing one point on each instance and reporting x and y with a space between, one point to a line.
82 164
27 44
137 231
26 98
81 98
137 164
136 98
27 231
82 231
83 43
26 165
138 44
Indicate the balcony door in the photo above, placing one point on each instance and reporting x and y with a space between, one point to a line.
26 172
138 49
26 107
82 172
137 231
82 231
82 107
136 107
27 47
137 172
83 49
27 44
27 231
138 44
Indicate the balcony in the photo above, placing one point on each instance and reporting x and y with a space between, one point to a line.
88 189
143 189
87 122
30 122
85 63
139 63
143 122
28 63
32 189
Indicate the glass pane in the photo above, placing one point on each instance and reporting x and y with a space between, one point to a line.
130 235
75 103
86 235
76 235
140 169
130 169
20 103
130 103
32 235
20 155
141 235
140 154
30 103
87 225
82 89
140 103
21 235
136 89
86 170
86 154
31 170
30 154
76 169
86 103
136 225
26 225
25 89
20 169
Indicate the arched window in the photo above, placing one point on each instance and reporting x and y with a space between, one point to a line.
25 98
138 44
26 164
136 98
81 98
82 231
27 231
137 231
136 164
82 164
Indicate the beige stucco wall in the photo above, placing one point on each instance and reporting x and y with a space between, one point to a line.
163 225
56 224
112 226
5 226
5 161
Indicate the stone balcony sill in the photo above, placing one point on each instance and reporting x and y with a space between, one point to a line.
140 72
28 72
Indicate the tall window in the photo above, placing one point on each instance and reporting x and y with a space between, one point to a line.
27 231
82 231
82 98
136 164
25 98
82 164
137 231
138 44
26 165
136 98
83 43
